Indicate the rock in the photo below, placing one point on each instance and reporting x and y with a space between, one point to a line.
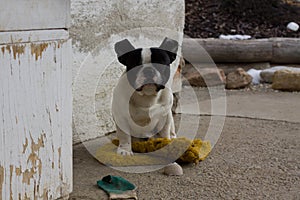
238 79
231 67
223 76
173 169
206 77
267 74
293 26
286 80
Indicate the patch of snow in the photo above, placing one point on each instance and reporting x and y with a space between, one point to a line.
256 79
235 37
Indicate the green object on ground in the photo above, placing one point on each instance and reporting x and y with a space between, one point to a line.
117 187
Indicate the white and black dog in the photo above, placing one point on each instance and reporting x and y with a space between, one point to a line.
142 101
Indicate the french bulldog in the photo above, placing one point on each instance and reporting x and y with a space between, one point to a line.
142 100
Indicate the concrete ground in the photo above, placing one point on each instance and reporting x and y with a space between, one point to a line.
257 155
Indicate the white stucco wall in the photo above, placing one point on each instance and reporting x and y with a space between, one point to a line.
95 27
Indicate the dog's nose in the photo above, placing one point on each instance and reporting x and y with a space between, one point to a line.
149 72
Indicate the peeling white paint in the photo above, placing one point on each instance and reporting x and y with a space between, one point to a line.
35 120
15 37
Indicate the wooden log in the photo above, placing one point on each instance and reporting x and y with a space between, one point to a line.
279 50
286 50
227 50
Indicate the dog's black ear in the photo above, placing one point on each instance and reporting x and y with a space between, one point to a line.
122 48
171 47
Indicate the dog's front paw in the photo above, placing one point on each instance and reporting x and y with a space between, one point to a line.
124 151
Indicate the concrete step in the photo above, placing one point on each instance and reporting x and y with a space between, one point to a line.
283 106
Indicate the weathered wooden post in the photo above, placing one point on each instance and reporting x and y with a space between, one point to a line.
35 100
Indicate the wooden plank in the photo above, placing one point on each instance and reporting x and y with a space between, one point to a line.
15 37
35 120
34 15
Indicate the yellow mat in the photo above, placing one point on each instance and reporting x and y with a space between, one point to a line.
158 151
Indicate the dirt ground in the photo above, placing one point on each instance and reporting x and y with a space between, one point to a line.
255 158
210 18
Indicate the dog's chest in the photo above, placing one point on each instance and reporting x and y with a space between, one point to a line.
140 108
146 122
140 116
147 115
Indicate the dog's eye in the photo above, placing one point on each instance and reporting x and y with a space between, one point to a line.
131 59
162 56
